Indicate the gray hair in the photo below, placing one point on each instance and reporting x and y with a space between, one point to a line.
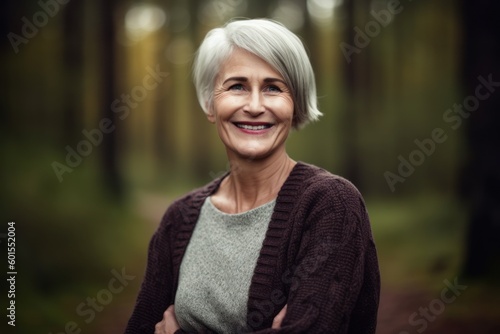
273 43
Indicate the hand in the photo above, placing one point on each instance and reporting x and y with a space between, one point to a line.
169 323
278 319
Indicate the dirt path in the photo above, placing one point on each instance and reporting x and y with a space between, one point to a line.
397 306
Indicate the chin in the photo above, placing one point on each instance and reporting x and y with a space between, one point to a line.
253 154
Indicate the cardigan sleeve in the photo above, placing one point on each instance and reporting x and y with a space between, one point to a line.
156 290
334 284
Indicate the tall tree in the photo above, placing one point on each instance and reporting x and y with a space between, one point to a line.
352 163
109 144
481 177
201 148
8 17
73 61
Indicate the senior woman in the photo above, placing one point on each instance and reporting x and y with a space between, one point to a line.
274 245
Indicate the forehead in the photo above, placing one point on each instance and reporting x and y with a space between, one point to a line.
244 63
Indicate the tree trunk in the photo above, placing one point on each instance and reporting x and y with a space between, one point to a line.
352 163
111 175
481 176
73 61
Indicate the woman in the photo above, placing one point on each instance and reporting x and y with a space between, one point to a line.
274 245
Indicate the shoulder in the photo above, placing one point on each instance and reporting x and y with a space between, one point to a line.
330 204
320 185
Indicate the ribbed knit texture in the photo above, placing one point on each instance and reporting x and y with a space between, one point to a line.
216 270
318 257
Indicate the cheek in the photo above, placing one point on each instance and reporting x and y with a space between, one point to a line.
225 106
283 107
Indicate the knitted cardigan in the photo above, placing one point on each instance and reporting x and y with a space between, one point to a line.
318 257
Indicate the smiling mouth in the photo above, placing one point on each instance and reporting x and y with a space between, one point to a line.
253 127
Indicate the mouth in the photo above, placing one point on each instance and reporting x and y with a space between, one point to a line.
253 126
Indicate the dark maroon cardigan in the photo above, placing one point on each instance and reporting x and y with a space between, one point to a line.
318 257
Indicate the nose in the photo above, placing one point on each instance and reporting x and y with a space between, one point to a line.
254 104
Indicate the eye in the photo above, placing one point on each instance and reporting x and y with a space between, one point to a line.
273 89
236 87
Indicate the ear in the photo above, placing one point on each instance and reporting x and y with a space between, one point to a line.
210 113
211 117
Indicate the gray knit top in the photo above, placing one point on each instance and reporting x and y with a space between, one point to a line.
217 269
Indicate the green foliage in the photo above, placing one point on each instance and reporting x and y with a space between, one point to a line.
419 238
69 235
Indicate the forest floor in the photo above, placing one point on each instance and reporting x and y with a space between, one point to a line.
396 308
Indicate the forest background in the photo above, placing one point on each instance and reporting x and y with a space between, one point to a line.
100 130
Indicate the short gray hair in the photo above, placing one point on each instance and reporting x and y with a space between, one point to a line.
272 42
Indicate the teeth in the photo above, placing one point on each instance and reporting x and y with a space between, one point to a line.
252 127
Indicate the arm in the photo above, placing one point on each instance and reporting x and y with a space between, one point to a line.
156 290
334 283
169 324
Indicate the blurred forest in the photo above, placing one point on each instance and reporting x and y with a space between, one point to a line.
101 130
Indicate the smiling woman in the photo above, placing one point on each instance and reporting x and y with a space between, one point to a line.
275 45
252 108
274 245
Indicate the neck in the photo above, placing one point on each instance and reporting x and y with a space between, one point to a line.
252 183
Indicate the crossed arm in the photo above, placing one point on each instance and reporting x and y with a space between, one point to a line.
169 324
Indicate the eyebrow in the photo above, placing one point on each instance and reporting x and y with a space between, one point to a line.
245 79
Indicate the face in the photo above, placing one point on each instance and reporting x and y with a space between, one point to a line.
252 107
